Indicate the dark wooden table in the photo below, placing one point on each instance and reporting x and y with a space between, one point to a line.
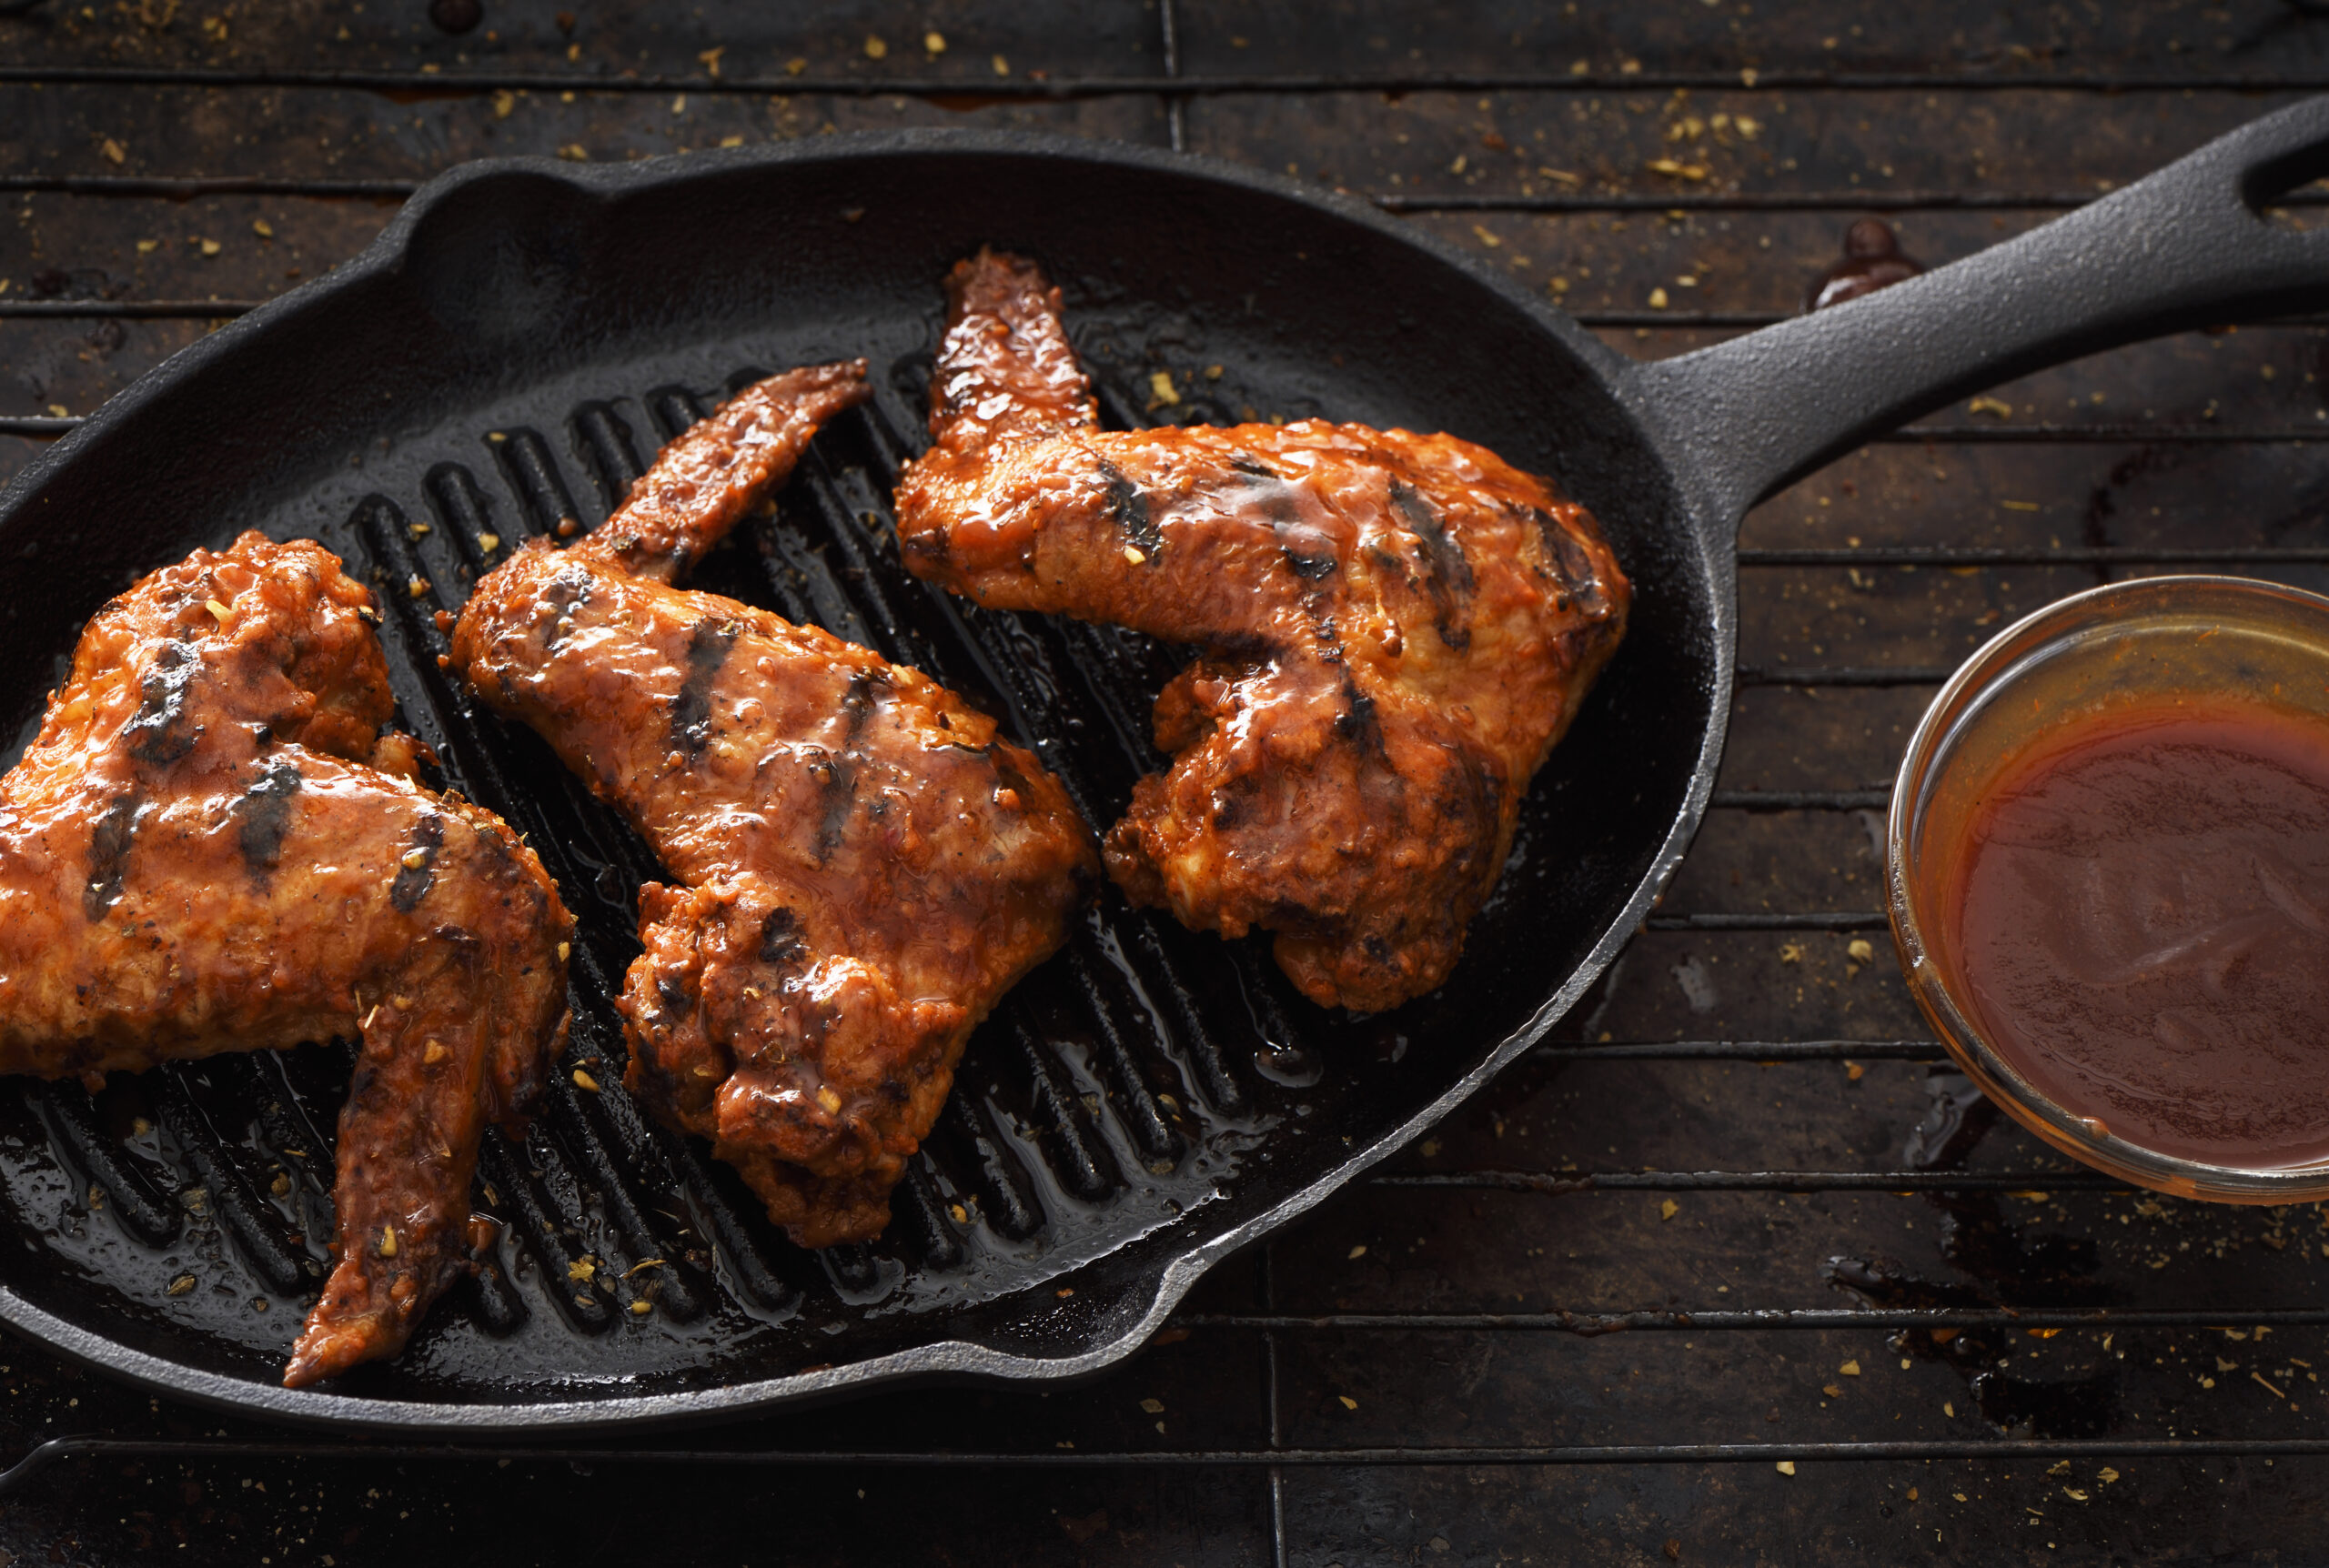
1786 1170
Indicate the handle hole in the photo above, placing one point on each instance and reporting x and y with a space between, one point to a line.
2292 191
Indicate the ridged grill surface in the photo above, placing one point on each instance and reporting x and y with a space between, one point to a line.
1106 1095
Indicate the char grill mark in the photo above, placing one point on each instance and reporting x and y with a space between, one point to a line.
781 945
564 593
1448 578
265 810
837 775
1308 568
1128 507
109 844
159 733
414 877
1576 567
709 643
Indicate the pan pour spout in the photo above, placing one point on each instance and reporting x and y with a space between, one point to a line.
1395 629
863 866
212 847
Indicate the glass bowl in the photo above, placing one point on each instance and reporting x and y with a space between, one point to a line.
2150 638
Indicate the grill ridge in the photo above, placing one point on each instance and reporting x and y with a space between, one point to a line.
515 1182
283 1265
64 1108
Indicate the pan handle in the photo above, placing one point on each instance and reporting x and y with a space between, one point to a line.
2188 246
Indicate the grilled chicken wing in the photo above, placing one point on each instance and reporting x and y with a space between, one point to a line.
1396 628
212 847
865 868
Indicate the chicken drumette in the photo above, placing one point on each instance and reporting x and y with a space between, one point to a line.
212 847
1396 628
866 868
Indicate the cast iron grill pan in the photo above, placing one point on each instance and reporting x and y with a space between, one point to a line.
510 357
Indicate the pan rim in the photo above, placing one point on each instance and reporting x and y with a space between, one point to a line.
951 1357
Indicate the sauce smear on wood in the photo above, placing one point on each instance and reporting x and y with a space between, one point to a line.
2142 916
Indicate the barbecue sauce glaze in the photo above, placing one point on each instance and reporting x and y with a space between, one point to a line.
2142 916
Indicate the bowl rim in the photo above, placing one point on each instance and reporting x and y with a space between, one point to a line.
1990 669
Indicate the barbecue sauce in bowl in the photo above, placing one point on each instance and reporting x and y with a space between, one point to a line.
2141 922
2107 870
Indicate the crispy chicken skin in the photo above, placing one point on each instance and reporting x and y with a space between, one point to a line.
212 847
864 869
1395 629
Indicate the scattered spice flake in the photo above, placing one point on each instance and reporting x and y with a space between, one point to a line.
2106 1475
219 611
489 543
1153 1406
580 1270
1950 1410
574 152
505 103
1486 237
1064 1292
1790 952
1997 405
642 1308
209 246
1002 66
1855 1071
115 153
388 1248
1861 950
1359 1250
1348 1402
1849 1368
1667 1208
262 228
2019 506
1658 299
1161 390
2268 1388
962 1215
2074 1495
181 1285
874 47
934 42
1786 1467
1673 170
642 1263
1833 1390
583 1081
710 58
418 586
